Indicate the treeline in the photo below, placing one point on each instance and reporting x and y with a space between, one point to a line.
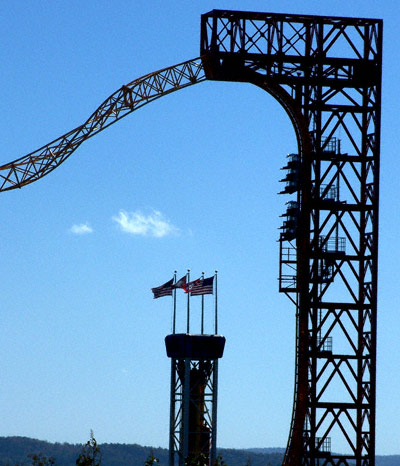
24 451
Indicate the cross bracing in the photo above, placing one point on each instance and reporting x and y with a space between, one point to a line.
326 73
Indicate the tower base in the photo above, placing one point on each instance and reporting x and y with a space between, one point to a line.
194 380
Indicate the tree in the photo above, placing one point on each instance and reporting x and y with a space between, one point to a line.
151 460
42 460
91 454
219 461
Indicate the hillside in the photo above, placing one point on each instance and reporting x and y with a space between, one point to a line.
14 450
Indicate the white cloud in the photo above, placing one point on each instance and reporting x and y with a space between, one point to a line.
82 229
136 223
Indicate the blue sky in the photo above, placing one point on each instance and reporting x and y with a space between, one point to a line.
189 181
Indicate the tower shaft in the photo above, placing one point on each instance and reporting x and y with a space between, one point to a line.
194 390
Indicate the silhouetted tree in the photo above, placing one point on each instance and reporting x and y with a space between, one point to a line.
219 461
91 454
151 460
42 460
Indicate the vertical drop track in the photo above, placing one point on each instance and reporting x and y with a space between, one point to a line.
326 73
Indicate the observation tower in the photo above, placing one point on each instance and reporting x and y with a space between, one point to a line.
194 374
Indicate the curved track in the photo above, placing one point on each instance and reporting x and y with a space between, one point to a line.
130 97
326 90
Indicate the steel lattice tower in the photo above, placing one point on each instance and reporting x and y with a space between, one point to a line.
326 72
194 394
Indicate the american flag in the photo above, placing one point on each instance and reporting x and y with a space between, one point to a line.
163 290
201 286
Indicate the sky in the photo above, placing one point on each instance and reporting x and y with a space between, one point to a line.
190 181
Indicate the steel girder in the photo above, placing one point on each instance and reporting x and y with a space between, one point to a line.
193 411
128 98
326 72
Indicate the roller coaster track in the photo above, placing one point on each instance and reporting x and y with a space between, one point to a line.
326 73
128 98
131 97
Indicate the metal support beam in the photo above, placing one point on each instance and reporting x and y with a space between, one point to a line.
326 72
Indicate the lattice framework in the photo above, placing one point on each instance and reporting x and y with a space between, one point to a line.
121 103
326 72
330 68
185 399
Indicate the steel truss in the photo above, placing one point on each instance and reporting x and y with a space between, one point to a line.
121 103
326 71
193 411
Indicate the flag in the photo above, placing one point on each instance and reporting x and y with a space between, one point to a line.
200 286
163 290
189 287
181 283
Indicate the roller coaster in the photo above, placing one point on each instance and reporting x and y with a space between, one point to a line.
326 73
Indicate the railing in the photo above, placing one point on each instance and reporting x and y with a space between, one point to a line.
329 193
324 344
323 445
333 244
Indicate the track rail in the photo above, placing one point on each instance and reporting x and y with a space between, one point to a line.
128 98
326 73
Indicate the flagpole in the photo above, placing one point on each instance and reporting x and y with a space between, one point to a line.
216 302
174 317
202 308
188 303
